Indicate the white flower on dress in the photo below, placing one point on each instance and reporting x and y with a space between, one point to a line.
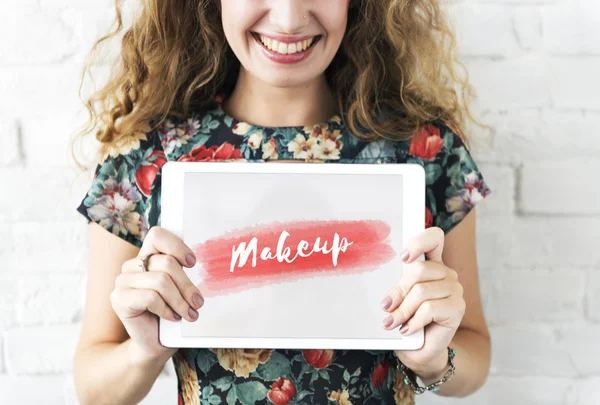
269 150
330 150
240 128
115 209
305 148
126 144
176 136
468 196
255 140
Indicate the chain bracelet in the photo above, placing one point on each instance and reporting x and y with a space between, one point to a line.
411 379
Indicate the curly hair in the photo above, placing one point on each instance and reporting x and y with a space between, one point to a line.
394 70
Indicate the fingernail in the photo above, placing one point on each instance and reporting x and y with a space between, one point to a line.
386 302
176 316
404 329
191 259
388 321
197 300
192 313
405 255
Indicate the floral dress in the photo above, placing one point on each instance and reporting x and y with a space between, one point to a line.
124 198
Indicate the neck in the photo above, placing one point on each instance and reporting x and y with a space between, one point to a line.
259 103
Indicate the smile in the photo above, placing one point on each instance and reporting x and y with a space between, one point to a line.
286 48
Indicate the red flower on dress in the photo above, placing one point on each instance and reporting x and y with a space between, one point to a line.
318 358
428 218
426 144
379 374
282 391
145 175
215 152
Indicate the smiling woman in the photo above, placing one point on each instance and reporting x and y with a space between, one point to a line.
245 80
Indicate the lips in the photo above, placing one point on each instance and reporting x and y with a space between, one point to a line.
257 38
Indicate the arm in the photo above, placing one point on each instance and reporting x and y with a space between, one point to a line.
472 339
106 368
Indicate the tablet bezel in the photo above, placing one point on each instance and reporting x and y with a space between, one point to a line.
173 175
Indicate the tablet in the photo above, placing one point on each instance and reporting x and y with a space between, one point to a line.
292 255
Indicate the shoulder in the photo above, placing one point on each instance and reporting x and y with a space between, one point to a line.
123 197
454 182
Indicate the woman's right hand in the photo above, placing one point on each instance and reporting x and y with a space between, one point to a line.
140 297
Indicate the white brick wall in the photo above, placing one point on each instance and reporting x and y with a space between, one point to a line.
535 66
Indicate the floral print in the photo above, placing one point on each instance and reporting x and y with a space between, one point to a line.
124 198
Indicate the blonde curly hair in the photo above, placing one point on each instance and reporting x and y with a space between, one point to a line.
395 69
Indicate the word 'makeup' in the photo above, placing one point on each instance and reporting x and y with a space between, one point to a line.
242 252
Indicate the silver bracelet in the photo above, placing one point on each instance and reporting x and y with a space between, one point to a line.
410 377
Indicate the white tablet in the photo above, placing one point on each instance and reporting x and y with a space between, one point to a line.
292 255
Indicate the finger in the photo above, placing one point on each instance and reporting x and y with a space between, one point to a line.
429 242
419 293
129 303
442 311
159 240
163 284
416 272
168 264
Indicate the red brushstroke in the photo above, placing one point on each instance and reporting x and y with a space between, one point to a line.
369 250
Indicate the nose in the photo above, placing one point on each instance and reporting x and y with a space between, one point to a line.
289 17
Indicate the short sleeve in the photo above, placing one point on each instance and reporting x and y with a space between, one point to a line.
124 197
454 183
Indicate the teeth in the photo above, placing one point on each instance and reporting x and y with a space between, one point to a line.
286 49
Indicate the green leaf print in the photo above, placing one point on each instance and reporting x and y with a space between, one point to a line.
205 360
346 376
432 204
250 392
231 397
223 383
277 365
448 140
214 399
432 173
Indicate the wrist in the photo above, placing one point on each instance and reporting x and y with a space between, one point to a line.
433 370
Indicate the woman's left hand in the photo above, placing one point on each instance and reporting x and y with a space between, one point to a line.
427 295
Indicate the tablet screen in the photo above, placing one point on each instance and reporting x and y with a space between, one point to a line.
292 255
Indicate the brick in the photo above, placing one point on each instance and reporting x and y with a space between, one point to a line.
49 299
547 295
49 89
572 28
538 242
53 246
573 82
560 187
10 153
505 390
501 179
510 84
8 298
527 26
469 20
45 390
586 391
42 196
530 350
59 131
592 296
41 350
89 24
529 135
581 339
47 40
